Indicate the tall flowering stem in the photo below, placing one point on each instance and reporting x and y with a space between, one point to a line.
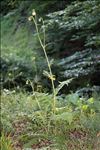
33 17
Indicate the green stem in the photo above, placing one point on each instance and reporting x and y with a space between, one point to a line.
43 47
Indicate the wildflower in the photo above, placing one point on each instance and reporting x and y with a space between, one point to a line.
40 19
52 77
30 18
33 13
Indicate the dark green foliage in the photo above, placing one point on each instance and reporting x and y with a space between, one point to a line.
74 28
8 5
83 66
43 6
15 72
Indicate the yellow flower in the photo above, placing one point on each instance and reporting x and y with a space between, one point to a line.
52 77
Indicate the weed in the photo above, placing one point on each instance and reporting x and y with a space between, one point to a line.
5 142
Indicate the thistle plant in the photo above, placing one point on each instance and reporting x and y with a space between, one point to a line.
43 45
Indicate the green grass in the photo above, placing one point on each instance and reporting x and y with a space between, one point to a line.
30 118
5 142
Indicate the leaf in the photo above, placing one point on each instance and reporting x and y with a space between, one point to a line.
85 107
73 98
91 100
67 116
60 86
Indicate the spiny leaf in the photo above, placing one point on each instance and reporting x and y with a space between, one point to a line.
60 86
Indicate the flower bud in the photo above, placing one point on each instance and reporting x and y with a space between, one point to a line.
40 19
30 18
33 13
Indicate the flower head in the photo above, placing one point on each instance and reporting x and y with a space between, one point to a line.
40 19
30 18
33 13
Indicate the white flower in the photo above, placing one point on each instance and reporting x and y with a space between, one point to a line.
40 19
30 18
33 13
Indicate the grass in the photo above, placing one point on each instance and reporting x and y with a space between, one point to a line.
5 142
70 128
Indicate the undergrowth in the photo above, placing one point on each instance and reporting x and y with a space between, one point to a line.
5 142
75 123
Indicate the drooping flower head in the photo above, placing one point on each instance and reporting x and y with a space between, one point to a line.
33 13
30 18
